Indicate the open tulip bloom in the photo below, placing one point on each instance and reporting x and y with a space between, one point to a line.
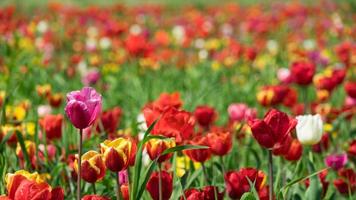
104 100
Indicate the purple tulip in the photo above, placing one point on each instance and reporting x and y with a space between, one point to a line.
83 107
336 161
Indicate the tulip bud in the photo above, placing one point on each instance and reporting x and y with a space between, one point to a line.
93 167
83 107
199 155
153 185
309 129
52 125
220 143
205 115
156 147
117 153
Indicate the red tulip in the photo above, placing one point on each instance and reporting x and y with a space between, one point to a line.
153 185
117 153
205 116
346 181
352 149
174 124
302 72
52 125
110 120
237 181
220 143
295 151
210 191
323 145
193 194
350 88
199 155
273 129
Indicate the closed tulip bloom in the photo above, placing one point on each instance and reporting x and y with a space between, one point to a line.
352 149
220 143
93 167
309 129
156 147
205 115
83 107
302 72
272 131
52 125
94 197
199 155
193 194
346 182
336 161
116 153
110 120
295 151
237 181
153 185
350 88
210 191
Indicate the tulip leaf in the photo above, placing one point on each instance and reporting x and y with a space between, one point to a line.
183 147
192 177
248 196
146 176
314 189
138 161
5 139
23 147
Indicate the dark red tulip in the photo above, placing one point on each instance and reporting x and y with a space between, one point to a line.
302 72
153 185
205 115
346 181
350 88
273 129
94 197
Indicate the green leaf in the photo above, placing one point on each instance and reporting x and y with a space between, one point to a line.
5 139
193 177
147 175
23 147
248 196
183 147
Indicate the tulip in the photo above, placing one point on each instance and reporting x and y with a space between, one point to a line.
270 133
350 88
24 185
116 153
273 129
295 151
347 181
94 197
336 161
323 145
83 108
220 143
211 191
166 183
352 149
302 72
199 155
110 120
92 165
309 129
237 181
52 125
205 116
155 147
193 194
237 111
55 100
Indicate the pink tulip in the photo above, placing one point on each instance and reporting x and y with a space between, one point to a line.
91 77
284 75
83 107
240 111
336 161
349 101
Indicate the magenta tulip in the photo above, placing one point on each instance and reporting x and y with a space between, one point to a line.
83 107
336 161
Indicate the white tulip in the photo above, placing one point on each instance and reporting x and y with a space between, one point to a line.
309 129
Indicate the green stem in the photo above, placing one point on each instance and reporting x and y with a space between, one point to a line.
79 164
270 173
118 188
93 186
205 173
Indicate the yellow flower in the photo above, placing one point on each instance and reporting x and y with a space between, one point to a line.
29 128
183 164
16 113
38 178
328 127
26 43
110 68
215 65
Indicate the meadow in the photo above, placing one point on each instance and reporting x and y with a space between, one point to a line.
169 100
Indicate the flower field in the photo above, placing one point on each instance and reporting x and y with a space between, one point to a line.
205 101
